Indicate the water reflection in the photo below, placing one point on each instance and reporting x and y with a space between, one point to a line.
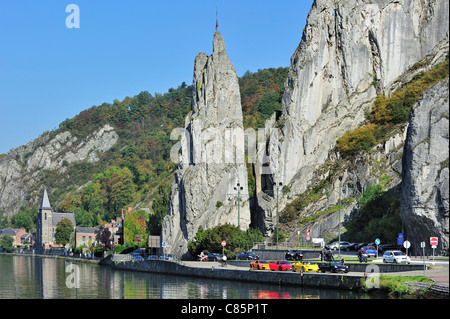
49 278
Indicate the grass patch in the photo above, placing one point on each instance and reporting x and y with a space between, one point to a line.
390 111
397 284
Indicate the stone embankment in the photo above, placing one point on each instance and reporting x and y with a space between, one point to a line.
214 271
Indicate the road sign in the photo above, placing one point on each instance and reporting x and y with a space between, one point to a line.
433 241
377 241
224 243
422 244
400 239
406 244
164 244
307 236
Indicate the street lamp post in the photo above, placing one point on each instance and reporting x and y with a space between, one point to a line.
239 188
277 186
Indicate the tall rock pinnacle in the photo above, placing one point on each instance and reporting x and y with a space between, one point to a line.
211 158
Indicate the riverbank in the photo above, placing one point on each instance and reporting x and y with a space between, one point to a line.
71 258
240 271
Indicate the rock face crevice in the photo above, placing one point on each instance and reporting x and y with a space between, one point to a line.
211 158
425 178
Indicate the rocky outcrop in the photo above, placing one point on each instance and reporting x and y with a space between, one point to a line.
211 159
425 186
350 51
21 168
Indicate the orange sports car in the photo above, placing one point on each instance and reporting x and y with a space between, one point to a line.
259 264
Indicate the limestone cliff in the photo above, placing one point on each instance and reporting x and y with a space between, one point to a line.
350 51
211 159
22 168
425 182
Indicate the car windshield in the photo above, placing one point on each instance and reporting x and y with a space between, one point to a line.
285 262
308 263
370 247
399 253
263 262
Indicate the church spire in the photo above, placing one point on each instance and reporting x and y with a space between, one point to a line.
45 203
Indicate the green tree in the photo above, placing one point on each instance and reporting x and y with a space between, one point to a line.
83 218
237 240
23 220
6 242
121 191
160 208
63 230
135 224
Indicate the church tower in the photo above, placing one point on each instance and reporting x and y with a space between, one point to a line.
44 233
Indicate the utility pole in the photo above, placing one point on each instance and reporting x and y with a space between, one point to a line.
339 240
238 188
277 186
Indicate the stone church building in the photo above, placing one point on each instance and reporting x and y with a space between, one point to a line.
47 220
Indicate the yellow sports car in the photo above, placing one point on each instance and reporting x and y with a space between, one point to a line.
305 267
259 264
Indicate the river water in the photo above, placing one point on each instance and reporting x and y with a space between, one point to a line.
26 277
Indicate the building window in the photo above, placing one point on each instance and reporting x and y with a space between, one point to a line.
84 238
90 238
45 214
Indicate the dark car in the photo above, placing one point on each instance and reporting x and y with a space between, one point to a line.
359 246
246 255
333 266
294 255
214 257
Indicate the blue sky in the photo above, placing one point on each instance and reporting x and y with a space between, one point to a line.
49 72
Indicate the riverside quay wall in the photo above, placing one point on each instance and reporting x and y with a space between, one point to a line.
333 281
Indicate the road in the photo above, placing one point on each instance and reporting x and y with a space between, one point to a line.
438 270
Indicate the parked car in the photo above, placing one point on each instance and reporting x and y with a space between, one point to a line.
214 257
137 254
166 257
246 255
305 266
395 256
333 266
259 264
294 255
360 245
282 265
335 245
370 251
385 247
345 245
137 257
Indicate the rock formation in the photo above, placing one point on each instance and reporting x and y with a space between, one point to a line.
425 181
350 51
211 160
21 168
